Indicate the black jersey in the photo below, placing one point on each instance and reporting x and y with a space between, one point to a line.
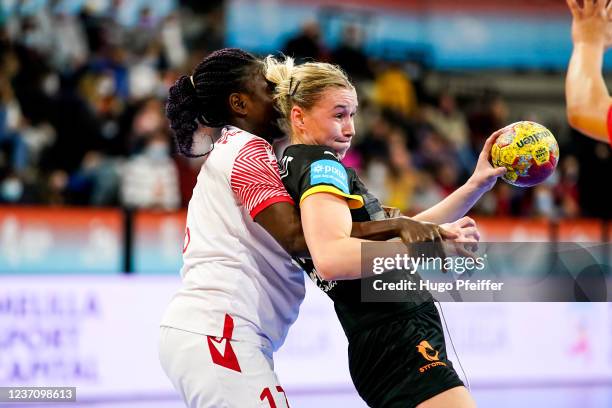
308 169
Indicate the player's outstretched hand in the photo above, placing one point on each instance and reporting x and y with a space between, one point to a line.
591 23
485 175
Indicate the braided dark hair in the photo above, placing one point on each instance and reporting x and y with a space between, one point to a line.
204 100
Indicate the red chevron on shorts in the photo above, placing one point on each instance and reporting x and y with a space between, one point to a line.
221 349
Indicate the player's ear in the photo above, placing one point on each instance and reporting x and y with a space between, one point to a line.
238 103
297 118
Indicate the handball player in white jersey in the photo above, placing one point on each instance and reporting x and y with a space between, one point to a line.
241 291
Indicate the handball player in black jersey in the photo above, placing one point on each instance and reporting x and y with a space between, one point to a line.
397 355
210 363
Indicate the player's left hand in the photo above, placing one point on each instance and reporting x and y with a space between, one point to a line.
485 175
468 236
464 228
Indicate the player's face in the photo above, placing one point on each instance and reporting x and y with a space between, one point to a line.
262 112
330 122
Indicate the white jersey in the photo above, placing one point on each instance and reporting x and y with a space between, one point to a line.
238 282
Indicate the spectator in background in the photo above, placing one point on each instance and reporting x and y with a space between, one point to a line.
447 176
427 193
35 33
393 90
433 150
566 191
149 119
13 151
150 179
306 46
96 182
72 48
375 145
401 177
172 41
452 125
492 113
350 56
55 190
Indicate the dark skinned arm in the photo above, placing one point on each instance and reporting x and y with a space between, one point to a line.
282 221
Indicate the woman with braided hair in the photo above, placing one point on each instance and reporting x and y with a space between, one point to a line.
241 291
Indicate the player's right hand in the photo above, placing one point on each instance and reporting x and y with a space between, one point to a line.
591 23
485 175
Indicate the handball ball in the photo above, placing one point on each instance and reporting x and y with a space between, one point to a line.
528 150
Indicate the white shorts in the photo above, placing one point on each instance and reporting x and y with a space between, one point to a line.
215 372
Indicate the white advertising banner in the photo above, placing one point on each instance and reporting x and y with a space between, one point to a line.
100 334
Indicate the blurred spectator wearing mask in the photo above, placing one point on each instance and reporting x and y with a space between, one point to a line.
306 46
149 180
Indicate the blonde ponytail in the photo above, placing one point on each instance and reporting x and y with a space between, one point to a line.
301 85
280 74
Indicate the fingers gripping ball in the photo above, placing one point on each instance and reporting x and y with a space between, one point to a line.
528 150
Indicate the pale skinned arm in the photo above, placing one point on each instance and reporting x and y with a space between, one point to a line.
327 223
326 220
586 94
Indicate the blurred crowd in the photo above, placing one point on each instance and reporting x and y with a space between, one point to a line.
82 116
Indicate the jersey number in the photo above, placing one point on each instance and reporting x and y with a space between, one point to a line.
266 394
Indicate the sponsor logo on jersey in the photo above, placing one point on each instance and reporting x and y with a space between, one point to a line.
329 172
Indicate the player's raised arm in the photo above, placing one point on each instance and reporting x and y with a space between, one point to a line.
587 97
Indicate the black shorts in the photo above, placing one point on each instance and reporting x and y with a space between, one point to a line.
402 363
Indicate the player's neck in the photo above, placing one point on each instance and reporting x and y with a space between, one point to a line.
248 127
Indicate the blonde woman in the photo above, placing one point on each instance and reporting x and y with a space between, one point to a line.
397 354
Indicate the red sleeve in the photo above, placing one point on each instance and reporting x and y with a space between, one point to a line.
610 124
255 178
